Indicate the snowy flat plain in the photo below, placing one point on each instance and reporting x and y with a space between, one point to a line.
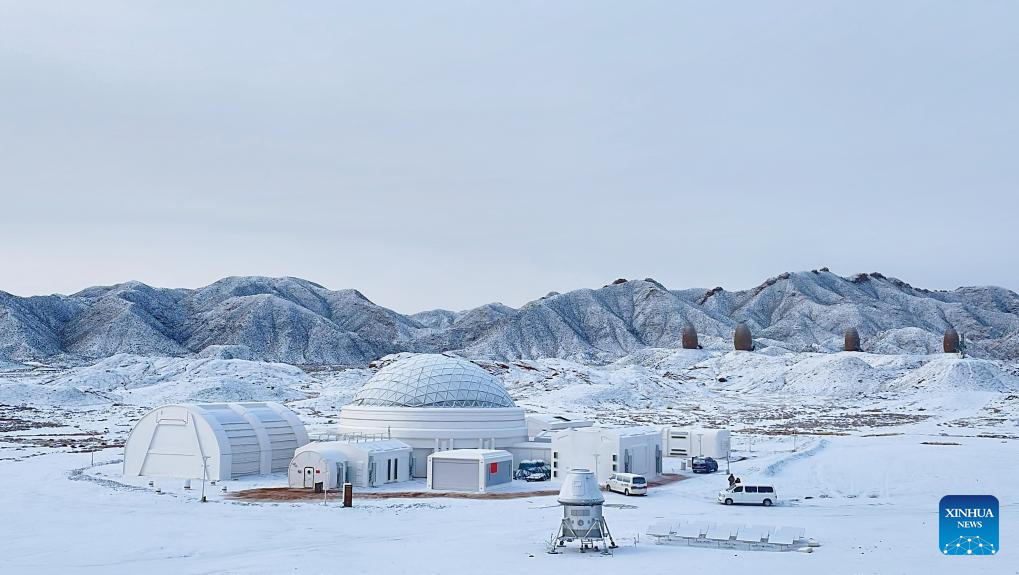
861 467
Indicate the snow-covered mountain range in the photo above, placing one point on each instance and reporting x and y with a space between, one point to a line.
295 321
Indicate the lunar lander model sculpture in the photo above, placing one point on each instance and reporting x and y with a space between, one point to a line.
582 514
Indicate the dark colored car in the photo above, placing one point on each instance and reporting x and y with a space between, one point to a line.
704 465
536 470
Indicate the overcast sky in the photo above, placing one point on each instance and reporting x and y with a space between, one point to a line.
447 154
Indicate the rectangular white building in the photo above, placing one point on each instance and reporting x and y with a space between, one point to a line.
681 442
474 470
607 450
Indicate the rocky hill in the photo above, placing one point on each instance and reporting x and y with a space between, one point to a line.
299 322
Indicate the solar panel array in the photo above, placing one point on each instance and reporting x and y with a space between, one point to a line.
727 534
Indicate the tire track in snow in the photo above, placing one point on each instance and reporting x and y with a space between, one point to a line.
776 467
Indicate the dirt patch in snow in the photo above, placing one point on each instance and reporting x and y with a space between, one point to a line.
302 494
10 419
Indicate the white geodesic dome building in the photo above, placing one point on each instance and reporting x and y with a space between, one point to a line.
432 380
435 403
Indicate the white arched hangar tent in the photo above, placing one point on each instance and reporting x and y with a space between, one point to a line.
213 440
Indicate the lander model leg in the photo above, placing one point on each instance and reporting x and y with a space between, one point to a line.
608 534
586 541
557 540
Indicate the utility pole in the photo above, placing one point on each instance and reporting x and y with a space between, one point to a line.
205 474
700 445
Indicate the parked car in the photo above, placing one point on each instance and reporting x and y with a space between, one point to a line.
749 494
704 465
533 470
627 484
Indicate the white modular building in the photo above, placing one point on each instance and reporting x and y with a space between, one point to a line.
680 442
213 441
607 450
475 470
540 429
363 464
434 403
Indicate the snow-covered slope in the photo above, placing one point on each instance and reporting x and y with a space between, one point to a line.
149 381
651 379
296 321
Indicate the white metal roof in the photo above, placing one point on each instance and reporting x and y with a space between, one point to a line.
326 451
433 380
547 445
381 445
558 419
545 417
475 454
617 431
343 448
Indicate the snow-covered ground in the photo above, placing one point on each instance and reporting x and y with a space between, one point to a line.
860 447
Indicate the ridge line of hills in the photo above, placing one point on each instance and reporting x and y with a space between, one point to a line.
291 320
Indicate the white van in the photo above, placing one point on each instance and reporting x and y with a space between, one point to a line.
750 494
627 484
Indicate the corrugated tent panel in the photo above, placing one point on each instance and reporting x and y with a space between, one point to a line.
249 463
241 437
242 469
279 427
224 416
281 459
283 442
243 428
